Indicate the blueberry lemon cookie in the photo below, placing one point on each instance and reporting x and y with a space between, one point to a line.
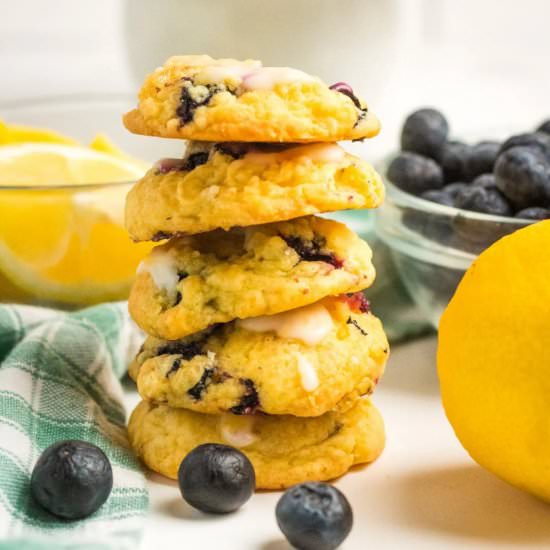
326 355
191 283
200 98
224 185
284 450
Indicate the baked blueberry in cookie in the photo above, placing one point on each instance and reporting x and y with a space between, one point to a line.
313 250
200 98
250 400
194 96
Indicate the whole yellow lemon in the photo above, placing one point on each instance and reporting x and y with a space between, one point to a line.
494 359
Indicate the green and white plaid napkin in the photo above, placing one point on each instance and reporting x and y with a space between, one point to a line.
59 380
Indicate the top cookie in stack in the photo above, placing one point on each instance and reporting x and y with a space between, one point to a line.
203 99
250 305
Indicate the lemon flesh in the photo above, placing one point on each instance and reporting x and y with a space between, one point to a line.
494 360
65 245
15 133
46 164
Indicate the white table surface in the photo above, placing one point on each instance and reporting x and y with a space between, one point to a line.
423 492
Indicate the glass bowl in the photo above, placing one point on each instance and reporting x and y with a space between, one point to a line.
65 245
388 296
432 245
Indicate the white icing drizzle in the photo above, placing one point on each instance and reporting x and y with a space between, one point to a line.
237 430
308 374
265 78
310 324
221 73
250 75
318 152
163 269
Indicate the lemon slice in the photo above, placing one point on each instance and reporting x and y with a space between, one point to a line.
65 244
103 144
42 164
14 133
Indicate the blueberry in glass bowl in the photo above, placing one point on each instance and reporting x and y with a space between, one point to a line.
435 226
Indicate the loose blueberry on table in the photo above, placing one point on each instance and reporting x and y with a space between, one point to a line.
508 179
314 516
72 479
216 479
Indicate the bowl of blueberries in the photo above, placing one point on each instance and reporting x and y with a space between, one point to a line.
448 200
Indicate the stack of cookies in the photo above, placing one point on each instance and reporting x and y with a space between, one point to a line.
259 335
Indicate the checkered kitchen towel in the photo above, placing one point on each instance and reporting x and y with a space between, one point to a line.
59 380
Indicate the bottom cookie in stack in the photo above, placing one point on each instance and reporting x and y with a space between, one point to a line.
284 450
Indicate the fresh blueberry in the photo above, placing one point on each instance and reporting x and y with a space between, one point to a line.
72 479
523 175
314 516
537 140
425 132
216 479
438 195
534 213
487 181
481 199
482 158
454 157
544 127
415 174
454 189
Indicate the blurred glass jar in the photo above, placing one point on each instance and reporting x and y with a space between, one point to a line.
349 40
334 40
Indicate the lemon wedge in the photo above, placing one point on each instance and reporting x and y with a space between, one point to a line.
65 244
103 144
15 133
46 164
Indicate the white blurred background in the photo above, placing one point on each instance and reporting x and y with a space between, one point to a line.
483 62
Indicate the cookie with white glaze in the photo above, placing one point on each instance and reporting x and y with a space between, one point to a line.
193 282
200 98
237 184
302 362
